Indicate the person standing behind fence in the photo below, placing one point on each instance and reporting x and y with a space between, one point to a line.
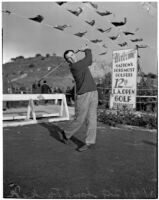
34 86
86 101
45 89
36 89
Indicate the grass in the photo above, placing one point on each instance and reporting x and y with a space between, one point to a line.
56 193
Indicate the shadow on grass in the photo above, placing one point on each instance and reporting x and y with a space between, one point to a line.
55 132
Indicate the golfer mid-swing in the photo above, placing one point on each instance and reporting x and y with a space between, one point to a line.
86 100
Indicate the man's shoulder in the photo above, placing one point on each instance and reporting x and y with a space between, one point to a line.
72 65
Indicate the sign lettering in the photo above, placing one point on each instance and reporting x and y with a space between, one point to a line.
124 78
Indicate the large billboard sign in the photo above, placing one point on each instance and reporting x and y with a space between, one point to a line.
124 79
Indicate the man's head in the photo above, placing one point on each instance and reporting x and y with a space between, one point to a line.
70 56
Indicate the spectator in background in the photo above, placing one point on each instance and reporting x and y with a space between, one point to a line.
56 90
59 90
68 95
63 90
10 90
36 89
45 89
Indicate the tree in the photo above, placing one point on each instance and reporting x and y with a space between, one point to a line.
13 59
47 55
17 58
38 55
151 75
20 57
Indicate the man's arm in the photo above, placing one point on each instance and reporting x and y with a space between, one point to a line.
87 61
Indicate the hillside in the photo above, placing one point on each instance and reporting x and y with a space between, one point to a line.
24 71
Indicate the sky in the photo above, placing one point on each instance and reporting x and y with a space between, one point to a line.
25 37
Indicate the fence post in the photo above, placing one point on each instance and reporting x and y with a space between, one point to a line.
31 110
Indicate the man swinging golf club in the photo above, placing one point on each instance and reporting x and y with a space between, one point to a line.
86 100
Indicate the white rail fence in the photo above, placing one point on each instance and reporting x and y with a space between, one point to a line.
31 116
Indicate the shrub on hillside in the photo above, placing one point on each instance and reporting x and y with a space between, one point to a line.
13 59
47 55
31 66
20 57
38 55
17 58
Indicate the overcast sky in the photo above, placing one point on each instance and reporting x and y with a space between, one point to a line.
26 37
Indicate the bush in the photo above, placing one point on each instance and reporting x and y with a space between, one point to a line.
31 66
47 55
13 59
113 118
20 57
38 55
17 58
